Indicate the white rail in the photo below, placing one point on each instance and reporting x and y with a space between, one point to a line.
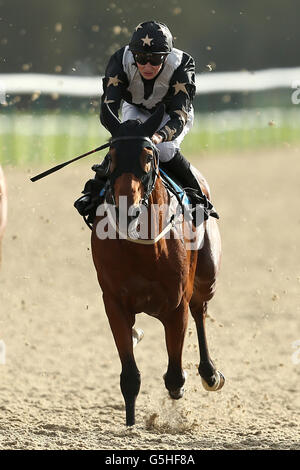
210 82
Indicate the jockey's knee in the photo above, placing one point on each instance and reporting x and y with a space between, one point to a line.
167 151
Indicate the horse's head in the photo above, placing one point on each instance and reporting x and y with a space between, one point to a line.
133 158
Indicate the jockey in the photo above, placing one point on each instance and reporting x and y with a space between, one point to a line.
138 78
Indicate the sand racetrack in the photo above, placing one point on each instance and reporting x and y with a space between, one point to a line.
59 386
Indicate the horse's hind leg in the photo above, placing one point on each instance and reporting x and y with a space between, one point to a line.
212 379
175 328
121 323
137 336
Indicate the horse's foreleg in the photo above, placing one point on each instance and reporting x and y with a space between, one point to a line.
130 381
175 328
121 323
212 379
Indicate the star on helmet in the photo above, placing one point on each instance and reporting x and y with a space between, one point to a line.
162 29
180 87
146 40
113 81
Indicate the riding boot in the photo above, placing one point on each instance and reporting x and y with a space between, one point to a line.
180 168
88 203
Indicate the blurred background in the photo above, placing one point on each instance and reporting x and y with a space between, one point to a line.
75 38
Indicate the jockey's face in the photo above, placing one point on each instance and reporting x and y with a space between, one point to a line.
149 71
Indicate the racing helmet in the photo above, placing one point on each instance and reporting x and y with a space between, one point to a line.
151 37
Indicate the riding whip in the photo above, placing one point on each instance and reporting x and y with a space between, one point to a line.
61 165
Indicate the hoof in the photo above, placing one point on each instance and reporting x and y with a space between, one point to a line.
178 392
218 381
137 336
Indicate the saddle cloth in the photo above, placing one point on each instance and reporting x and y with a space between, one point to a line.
175 188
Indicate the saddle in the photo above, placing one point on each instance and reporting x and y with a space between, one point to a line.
95 190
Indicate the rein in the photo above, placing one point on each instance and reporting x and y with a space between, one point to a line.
141 241
144 201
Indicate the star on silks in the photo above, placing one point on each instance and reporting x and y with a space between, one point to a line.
170 132
113 81
139 26
106 101
146 40
180 87
182 114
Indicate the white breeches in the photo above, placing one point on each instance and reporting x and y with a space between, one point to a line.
167 150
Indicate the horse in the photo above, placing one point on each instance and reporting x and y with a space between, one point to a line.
3 206
159 276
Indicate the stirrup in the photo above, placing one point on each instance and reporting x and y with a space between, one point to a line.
83 204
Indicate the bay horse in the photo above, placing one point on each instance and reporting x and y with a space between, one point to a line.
159 277
3 206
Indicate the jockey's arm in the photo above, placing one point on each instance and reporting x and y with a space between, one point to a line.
179 99
115 83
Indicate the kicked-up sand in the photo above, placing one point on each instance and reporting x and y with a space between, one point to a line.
59 370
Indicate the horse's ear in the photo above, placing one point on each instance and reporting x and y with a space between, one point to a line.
153 122
109 119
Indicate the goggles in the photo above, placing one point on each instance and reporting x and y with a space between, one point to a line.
153 59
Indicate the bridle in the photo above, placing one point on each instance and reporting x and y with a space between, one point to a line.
148 179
